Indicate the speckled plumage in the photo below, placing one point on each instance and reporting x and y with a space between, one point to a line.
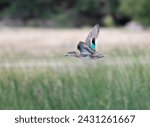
88 49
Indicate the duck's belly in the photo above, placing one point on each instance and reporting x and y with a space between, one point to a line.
88 58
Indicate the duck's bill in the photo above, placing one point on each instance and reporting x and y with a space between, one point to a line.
66 54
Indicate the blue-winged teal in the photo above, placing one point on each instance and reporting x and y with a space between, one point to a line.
88 49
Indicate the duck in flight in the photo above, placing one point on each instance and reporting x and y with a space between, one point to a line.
88 49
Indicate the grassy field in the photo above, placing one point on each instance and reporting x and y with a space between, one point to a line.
34 74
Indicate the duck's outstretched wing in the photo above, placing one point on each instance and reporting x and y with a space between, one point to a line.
84 49
90 40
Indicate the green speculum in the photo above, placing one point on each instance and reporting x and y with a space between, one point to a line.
93 46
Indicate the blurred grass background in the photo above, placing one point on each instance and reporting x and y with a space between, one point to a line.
34 74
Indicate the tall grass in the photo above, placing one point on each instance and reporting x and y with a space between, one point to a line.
119 81
35 75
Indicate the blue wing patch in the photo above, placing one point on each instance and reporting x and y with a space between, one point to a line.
93 46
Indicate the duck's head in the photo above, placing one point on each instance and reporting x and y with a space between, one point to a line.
71 54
